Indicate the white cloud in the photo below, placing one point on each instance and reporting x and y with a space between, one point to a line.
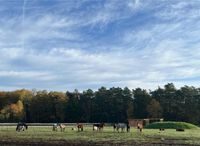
134 4
147 55
21 74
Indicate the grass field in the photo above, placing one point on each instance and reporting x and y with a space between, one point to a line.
171 125
41 134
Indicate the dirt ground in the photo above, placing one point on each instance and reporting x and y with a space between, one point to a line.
8 142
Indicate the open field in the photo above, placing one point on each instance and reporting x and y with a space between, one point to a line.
43 135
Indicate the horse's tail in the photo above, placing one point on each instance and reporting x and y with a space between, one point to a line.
114 126
128 128
26 126
17 128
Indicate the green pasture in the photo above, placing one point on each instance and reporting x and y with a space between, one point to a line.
45 133
171 125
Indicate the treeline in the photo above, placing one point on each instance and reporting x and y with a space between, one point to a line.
104 105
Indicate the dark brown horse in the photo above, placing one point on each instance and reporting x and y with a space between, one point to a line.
99 126
80 127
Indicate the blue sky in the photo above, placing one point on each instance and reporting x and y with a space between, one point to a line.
67 44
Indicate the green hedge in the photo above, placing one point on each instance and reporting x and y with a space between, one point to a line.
171 125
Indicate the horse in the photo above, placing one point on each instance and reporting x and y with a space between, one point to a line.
55 127
79 127
62 127
98 126
139 127
21 127
121 126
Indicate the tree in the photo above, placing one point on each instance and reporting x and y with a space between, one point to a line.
141 101
167 98
59 101
73 112
13 112
85 105
41 108
154 109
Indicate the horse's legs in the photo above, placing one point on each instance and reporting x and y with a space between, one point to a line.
63 129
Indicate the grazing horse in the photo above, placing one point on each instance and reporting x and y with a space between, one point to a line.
98 126
62 127
21 127
80 127
55 126
121 126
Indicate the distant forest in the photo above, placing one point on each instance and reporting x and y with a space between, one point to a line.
104 105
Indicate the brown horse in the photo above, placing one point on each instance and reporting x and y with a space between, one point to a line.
139 127
80 127
62 127
99 126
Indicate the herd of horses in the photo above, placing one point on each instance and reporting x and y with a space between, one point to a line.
99 127
79 127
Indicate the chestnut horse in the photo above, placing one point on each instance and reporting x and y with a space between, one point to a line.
80 127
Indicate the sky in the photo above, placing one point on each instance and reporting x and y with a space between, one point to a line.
79 44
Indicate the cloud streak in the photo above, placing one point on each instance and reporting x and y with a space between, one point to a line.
73 44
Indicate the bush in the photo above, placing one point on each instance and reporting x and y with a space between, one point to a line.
171 125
